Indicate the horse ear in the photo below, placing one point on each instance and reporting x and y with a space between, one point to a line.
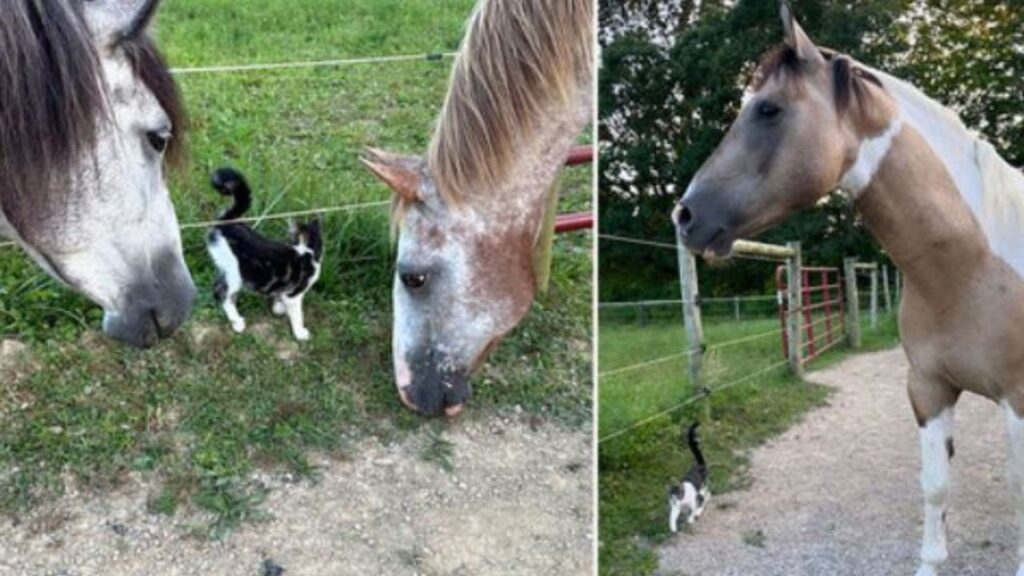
798 40
400 173
113 21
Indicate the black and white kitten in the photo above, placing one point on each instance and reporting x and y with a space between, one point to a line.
691 495
245 259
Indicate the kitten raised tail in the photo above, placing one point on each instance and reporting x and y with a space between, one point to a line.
694 443
230 182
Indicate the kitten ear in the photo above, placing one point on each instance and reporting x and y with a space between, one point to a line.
293 228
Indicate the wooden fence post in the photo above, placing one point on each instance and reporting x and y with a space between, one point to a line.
874 297
885 290
852 302
794 297
692 320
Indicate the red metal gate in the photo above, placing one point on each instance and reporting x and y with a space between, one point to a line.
821 306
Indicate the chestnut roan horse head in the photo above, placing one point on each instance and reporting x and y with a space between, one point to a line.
469 213
942 203
88 116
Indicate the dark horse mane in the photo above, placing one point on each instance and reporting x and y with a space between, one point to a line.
52 99
847 75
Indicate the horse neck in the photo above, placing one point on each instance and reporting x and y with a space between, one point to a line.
913 208
519 201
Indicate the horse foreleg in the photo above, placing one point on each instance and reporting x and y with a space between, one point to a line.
933 405
1015 428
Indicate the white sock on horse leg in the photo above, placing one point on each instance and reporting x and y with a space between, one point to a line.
1015 431
936 437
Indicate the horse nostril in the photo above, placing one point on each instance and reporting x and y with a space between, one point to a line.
164 322
685 216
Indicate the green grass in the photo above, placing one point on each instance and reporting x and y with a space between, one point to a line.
635 469
200 413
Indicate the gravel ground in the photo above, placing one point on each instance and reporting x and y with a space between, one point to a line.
838 494
518 501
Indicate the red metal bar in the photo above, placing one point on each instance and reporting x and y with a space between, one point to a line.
573 222
814 296
805 304
580 155
828 307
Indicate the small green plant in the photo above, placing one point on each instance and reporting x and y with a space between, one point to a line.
754 538
438 450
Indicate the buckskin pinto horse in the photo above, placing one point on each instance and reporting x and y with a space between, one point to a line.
88 115
469 214
943 204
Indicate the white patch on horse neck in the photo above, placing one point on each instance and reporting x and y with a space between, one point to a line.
870 155
992 189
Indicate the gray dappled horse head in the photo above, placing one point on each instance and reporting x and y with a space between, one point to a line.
89 114
469 213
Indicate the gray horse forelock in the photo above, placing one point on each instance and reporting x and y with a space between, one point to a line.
52 101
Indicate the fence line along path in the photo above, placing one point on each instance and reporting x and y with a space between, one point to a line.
798 300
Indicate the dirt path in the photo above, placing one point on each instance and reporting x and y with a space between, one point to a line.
518 502
838 494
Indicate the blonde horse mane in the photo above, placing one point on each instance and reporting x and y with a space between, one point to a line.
519 59
998 200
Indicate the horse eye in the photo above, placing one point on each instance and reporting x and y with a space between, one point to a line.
159 139
413 281
768 109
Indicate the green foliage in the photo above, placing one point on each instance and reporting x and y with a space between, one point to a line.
672 77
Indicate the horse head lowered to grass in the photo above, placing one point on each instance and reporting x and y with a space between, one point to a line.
943 204
469 213
88 116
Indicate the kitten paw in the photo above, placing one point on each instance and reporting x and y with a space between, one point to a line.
302 335
238 325
926 570
278 308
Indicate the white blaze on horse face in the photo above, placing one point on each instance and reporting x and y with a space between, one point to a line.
451 316
870 154
936 436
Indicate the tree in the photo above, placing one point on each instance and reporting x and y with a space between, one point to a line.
672 77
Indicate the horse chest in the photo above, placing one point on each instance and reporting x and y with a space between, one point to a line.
973 339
